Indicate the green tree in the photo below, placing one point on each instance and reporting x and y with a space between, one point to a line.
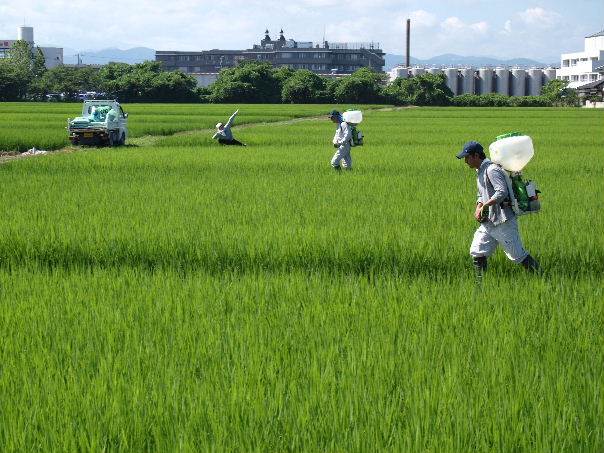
38 63
70 81
20 69
558 93
362 87
147 82
304 87
427 89
250 81
10 85
37 90
282 75
173 86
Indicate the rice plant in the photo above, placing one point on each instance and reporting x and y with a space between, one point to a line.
184 296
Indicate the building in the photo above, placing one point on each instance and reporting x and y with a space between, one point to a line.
53 56
580 68
593 92
325 58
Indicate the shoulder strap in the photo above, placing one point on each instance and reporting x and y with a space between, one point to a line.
508 181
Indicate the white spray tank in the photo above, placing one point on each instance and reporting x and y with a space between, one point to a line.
353 116
512 151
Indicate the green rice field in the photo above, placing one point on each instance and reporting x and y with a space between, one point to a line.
174 295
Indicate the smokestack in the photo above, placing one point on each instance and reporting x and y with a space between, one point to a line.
408 43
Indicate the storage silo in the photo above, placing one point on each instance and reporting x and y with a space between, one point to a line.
467 81
486 80
518 82
401 72
452 80
417 71
535 84
502 81
25 34
549 74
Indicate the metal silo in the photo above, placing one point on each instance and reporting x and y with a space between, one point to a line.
401 73
486 80
452 80
25 34
518 82
548 75
417 71
535 77
467 81
502 81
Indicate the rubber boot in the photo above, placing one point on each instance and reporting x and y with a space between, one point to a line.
480 267
480 264
531 265
337 168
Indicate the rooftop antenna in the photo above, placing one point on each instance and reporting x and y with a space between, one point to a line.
323 33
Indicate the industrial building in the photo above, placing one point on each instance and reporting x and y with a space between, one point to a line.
581 68
53 56
325 58
506 81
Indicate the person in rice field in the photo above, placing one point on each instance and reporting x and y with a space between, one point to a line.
342 142
224 135
498 222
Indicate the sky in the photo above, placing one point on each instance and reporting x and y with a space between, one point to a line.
540 30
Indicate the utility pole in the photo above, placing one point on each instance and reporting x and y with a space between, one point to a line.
408 43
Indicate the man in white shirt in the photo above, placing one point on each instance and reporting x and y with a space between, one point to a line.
224 135
341 141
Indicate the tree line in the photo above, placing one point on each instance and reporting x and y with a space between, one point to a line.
23 76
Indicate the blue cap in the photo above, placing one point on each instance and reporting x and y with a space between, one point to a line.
334 113
470 148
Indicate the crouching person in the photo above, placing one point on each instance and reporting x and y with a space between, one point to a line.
224 135
498 222
341 141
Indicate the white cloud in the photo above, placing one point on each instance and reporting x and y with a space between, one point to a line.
540 17
453 24
507 27
480 27
422 18
438 26
456 26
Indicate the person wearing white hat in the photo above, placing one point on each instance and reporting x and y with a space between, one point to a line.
224 135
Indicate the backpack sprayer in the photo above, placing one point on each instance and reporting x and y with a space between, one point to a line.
512 152
354 118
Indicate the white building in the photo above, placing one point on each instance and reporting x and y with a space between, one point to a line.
580 68
53 56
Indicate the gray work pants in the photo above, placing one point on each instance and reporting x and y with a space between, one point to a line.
342 155
506 234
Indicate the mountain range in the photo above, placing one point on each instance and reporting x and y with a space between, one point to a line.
140 54
130 56
460 60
